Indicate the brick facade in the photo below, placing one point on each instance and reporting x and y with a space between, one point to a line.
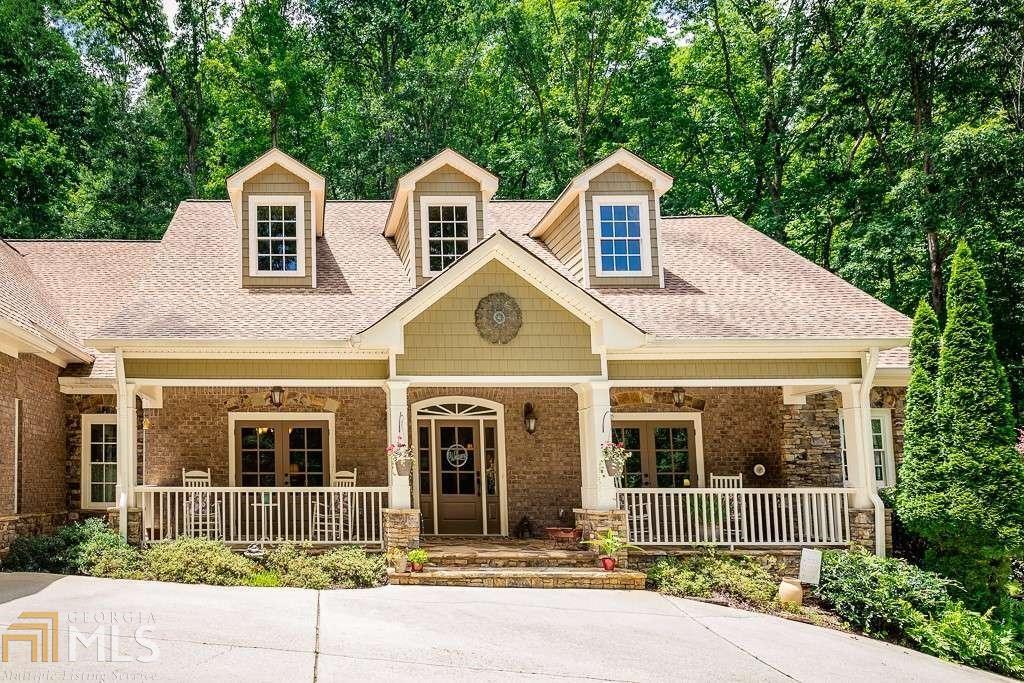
75 406
42 487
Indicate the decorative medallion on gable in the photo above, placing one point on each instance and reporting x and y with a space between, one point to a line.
498 318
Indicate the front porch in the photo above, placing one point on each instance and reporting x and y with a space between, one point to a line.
479 468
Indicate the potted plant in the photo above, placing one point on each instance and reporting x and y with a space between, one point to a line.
417 558
400 454
614 455
608 546
397 559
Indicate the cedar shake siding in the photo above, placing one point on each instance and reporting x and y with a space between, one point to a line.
255 368
619 180
735 368
444 341
446 181
563 239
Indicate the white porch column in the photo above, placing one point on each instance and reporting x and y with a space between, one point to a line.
598 489
399 492
859 458
127 453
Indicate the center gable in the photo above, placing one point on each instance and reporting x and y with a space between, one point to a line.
444 340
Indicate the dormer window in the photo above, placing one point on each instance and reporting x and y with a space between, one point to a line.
449 230
276 236
622 236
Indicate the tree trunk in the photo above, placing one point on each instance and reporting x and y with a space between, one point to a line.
935 258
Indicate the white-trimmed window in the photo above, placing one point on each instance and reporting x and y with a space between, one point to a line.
277 230
448 229
884 462
99 461
622 236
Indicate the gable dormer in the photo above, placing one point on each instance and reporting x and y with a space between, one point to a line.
604 225
438 213
278 205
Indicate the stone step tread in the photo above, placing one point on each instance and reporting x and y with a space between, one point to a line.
513 554
547 571
525 577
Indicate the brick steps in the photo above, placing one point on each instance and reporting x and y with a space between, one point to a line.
523 577
511 559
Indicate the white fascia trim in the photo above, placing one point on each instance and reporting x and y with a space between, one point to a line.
584 242
317 183
411 221
15 339
298 201
818 345
646 250
145 381
497 380
446 157
135 347
749 382
258 354
426 201
657 234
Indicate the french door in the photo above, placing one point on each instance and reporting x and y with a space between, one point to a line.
661 454
281 453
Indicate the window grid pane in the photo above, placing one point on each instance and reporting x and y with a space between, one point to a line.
620 242
102 462
277 243
447 235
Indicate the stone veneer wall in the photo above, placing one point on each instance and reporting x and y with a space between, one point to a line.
43 450
191 430
75 406
543 468
741 426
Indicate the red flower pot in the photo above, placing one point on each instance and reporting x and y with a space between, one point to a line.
417 567
608 563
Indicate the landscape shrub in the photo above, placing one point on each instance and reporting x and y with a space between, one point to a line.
962 635
709 574
296 567
60 552
354 568
879 595
196 560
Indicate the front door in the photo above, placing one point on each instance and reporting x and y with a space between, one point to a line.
457 477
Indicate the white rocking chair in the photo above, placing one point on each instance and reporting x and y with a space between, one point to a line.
202 509
734 531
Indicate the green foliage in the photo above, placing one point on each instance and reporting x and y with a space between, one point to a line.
265 580
962 635
880 596
297 567
196 560
69 550
417 556
609 543
742 579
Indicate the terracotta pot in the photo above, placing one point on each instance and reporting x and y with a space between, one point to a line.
791 591
417 567
403 467
608 563
612 468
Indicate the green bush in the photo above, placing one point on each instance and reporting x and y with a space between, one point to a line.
962 635
196 560
60 552
265 580
743 579
354 568
296 567
111 556
879 595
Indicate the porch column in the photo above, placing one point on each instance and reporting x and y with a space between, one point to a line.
598 489
860 463
399 492
127 454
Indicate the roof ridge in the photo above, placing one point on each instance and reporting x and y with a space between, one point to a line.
82 239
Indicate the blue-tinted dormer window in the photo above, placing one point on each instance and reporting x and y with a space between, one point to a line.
621 241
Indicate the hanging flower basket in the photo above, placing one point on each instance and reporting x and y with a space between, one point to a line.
614 456
400 455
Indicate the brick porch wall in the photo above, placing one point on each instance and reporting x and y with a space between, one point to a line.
191 430
544 467
43 451
741 426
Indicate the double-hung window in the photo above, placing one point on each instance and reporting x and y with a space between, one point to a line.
276 236
883 460
99 461
449 230
622 236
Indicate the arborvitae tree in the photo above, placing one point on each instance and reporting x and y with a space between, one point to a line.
980 523
919 496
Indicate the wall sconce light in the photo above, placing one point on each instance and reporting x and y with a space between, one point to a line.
276 397
529 418
678 397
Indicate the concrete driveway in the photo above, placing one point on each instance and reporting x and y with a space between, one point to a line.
425 633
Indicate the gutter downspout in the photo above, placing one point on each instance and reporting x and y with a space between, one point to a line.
870 364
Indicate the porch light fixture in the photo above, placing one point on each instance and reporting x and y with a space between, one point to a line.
529 418
678 397
276 397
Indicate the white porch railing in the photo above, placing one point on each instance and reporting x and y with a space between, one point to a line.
246 515
737 516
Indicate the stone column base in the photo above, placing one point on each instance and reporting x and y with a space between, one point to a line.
862 528
401 528
592 523
134 523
